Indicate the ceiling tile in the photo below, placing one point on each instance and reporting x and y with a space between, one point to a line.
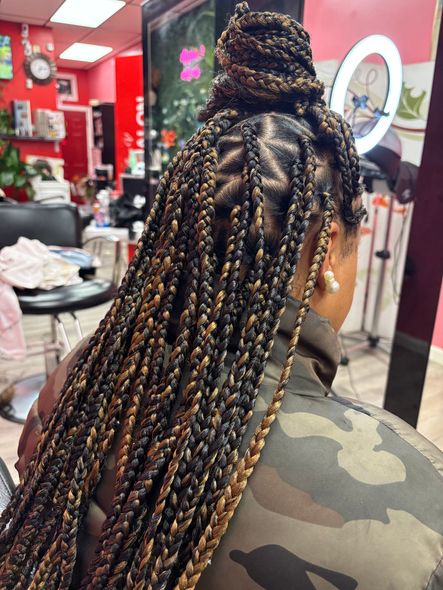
60 47
114 39
121 31
68 33
41 10
20 19
135 48
127 19
70 63
65 35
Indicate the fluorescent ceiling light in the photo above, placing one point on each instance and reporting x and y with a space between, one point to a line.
387 49
85 52
86 13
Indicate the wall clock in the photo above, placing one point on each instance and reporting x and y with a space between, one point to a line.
40 68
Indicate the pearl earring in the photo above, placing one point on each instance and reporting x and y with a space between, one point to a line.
332 286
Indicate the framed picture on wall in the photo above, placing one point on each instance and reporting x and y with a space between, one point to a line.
6 72
67 87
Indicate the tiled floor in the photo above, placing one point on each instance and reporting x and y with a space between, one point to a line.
364 378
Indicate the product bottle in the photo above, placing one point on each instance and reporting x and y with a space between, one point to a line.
101 209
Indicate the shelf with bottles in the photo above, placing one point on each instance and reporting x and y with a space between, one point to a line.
27 138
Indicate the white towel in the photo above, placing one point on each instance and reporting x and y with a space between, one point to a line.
29 264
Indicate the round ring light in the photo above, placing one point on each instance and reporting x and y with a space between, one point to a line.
384 47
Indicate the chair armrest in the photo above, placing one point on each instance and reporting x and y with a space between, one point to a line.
6 486
4 199
116 268
51 198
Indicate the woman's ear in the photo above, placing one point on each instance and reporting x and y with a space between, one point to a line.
332 254
332 297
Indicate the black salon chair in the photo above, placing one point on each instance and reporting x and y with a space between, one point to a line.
6 486
57 224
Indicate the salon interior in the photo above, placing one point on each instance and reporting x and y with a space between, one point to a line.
95 100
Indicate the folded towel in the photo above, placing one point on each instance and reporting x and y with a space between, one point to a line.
29 264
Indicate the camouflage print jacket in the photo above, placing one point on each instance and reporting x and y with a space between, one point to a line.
345 495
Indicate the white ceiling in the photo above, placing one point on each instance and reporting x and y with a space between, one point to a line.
122 31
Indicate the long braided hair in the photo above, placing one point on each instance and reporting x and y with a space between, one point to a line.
212 273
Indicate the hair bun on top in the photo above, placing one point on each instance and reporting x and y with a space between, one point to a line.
267 63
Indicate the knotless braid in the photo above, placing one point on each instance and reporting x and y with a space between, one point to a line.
234 426
233 492
45 490
197 485
165 450
90 353
169 381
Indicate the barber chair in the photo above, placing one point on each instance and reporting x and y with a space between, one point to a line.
6 486
57 224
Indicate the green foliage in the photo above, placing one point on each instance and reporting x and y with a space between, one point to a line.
14 172
5 122
410 106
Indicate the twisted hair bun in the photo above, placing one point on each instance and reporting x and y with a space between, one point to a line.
267 62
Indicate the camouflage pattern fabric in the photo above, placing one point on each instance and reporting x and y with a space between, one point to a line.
345 496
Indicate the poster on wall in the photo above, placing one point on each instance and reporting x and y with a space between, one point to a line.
182 69
66 85
6 71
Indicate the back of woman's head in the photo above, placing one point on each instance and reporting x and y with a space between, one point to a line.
220 251
285 129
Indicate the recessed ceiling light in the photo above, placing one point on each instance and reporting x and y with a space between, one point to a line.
86 13
85 52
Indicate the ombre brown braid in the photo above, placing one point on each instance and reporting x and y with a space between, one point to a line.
210 278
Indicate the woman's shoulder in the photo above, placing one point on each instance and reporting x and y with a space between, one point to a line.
379 462
367 430
345 495
405 435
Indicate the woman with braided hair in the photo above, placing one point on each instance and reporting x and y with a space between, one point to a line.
193 441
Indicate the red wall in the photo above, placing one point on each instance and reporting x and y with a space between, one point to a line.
128 109
40 96
101 81
336 25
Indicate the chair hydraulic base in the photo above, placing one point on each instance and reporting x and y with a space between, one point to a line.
17 399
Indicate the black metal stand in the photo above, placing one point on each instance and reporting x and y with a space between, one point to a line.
372 339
